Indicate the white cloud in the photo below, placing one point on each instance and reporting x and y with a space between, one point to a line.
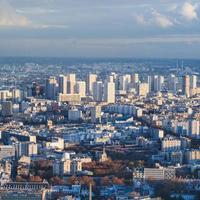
140 19
189 11
9 17
172 7
162 20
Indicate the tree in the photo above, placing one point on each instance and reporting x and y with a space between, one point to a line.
118 181
86 180
35 179
72 180
20 179
56 180
105 181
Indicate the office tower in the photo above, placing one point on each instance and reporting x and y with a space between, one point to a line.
96 114
158 83
143 89
62 83
124 82
7 108
51 88
186 86
91 78
172 83
26 149
16 94
134 78
71 82
149 81
109 92
98 91
36 89
193 82
80 88
110 78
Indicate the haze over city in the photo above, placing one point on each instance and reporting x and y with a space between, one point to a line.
91 28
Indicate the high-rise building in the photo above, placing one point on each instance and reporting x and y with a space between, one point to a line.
143 89
194 128
7 108
124 82
157 83
149 81
71 82
193 82
91 78
109 92
96 114
81 88
134 78
26 149
62 82
98 91
186 86
170 144
172 83
51 88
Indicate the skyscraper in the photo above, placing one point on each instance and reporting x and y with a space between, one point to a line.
96 114
62 82
158 83
80 88
91 78
124 82
134 78
143 89
51 88
109 92
71 82
98 91
186 86
172 83
193 82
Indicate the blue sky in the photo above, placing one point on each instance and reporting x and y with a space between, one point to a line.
100 28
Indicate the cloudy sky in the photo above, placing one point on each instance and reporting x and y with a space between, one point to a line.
100 28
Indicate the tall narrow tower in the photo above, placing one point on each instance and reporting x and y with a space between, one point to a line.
186 85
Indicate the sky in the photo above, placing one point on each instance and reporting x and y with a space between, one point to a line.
100 28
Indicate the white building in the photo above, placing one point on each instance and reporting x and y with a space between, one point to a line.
109 92
98 91
62 82
81 88
170 144
56 143
71 82
91 78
